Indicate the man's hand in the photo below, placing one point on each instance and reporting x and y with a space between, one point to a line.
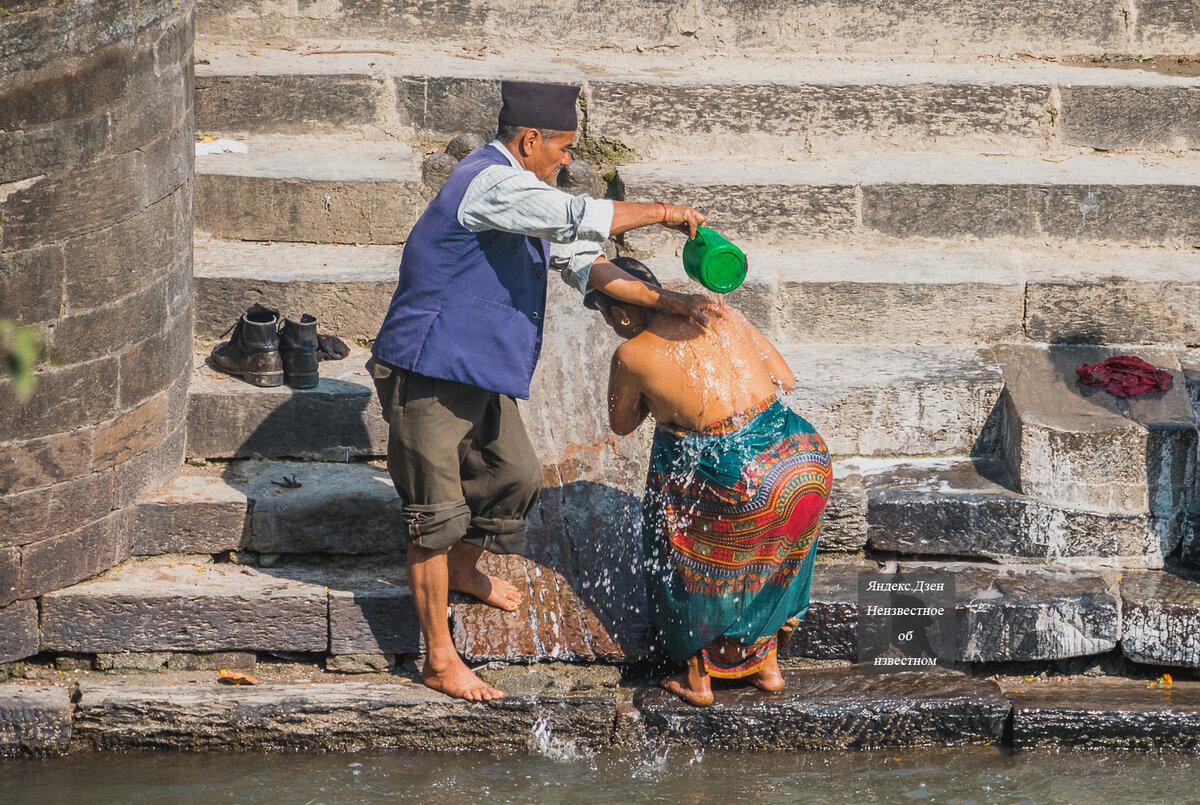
682 218
698 307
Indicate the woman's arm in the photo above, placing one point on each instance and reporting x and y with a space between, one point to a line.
626 406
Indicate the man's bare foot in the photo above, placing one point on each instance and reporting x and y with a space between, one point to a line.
491 590
445 672
768 677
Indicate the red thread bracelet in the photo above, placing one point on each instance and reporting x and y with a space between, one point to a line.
664 206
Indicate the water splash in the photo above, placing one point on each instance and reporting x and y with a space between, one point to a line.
543 742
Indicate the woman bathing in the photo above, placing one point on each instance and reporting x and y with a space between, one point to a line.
735 491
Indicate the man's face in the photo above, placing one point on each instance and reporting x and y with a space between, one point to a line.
548 157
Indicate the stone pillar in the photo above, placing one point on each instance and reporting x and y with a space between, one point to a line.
96 165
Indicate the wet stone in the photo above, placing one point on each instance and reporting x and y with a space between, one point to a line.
34 720
835 709
1107 714
844 526
1160 616
829 629
337 717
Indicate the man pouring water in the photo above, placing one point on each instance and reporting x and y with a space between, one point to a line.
460 342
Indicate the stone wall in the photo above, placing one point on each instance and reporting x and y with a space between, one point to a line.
96 153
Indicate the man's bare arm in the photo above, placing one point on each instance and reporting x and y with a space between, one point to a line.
628 215
612 281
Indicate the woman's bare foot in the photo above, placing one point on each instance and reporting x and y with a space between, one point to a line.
491 590
768 677
694 685
445 672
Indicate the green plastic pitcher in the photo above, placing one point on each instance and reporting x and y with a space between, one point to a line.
713 261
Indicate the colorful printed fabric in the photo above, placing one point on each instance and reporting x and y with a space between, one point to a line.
729 526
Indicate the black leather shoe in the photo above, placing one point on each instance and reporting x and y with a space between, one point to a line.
252 351
298 348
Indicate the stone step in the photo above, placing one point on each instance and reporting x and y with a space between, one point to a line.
660 106
35 720
838 708
1160 616
957 507
1002 613
343 716
929 28
864 400
309 190
1080 447
348 288
337 420
1106 713
1108 198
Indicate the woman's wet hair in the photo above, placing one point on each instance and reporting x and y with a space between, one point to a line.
635 268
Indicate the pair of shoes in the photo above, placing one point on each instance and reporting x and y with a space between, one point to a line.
265 352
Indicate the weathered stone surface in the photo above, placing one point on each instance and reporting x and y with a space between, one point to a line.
31 285
1131 117
348 288
55 562
18 630
339 508
33 516
835 709
146 472
311 191
435 170
40 151
866 400
829 630
359 663
1141 298
106 330
844 524
1167 27
1107 714
373 615
134 431
185 606
1160 617
213 661
157 362
343 716
960 508
449 103
338 420
67 89
64 399
1079 447
930 26
194 513
463 144
1019 613
285 104
132 661
34 720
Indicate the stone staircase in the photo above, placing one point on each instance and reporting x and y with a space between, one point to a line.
946 211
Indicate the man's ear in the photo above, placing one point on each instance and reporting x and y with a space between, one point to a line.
528 141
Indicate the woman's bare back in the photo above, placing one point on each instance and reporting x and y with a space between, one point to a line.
692 377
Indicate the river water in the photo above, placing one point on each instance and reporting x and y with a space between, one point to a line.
557 773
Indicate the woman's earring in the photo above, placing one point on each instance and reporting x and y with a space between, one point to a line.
624 321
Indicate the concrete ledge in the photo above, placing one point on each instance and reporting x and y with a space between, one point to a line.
835 709
1107 714
34 720
321 716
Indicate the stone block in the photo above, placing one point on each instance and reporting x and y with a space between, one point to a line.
184 606
151 364
373 616
18 630
107 330
1164 26
1107 714
844 524
338 420
345 716
213 661
1113 118
1015 613
64 559
109 264
348 288
32 516
1160 617
340 508
829 630
894 400
359 663
67 89
43 462
49 150
959 508
76 31
310 191
31 285
192 514
132 661
167 163
1079 447
58 207
1152 298
286 104
835 709
65 398
148 471
159 104
34 720
135 431
10 574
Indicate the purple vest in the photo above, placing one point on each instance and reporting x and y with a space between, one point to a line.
469 305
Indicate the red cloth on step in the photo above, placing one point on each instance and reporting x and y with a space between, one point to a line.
1124 376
